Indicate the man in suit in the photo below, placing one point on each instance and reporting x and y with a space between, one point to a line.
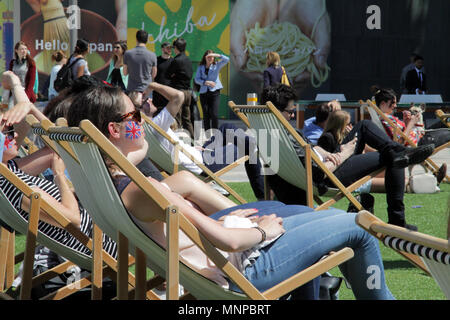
180 74
416 81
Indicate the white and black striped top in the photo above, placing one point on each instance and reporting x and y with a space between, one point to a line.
58 234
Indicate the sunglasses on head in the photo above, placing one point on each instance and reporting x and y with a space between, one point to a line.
135 116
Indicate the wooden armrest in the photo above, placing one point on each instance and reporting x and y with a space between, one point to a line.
309 273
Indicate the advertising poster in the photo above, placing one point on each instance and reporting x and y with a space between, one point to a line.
298 30
204 24
46 27
6 33
338 47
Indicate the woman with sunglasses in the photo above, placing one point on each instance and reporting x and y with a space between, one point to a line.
296 241
115 73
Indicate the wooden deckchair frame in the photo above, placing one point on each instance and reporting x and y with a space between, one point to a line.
137 290
444 117
38 204
310 156
178 148
429 163
175 219
381 230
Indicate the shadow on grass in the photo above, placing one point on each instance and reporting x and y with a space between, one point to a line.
399 264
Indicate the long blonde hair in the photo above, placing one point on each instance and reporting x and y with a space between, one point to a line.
272 59
336 123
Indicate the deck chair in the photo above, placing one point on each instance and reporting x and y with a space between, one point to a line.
444 117
434 252
290 168
11 217
86 142
376 114
160 156
83 190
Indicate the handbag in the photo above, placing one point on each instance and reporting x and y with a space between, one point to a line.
284 78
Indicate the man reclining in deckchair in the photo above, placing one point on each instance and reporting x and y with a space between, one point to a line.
350 164
215 155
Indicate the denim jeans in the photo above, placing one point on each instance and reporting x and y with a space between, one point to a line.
309 236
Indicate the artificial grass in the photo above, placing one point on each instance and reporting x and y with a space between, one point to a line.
406 282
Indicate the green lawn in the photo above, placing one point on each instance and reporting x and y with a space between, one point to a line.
405 281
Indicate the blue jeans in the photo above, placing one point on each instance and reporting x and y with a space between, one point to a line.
309 236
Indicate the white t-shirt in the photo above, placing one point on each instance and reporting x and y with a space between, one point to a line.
53 74
164 120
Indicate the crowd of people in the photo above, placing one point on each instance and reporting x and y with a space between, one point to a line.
286 236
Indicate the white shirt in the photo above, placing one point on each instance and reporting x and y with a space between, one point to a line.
164 120
53 74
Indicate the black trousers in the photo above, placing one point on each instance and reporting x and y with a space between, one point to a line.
210 104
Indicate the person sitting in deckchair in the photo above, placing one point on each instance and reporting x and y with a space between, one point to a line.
215 154
347 161
294 232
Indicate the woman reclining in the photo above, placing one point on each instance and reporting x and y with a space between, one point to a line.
298 237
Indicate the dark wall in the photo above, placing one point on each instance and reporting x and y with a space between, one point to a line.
361 57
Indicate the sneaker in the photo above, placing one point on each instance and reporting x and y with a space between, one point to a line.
412 156
219 189
441 173
411 227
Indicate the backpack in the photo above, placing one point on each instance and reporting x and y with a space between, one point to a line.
64 77
284 78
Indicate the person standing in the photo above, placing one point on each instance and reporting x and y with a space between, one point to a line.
416 80
207 77
60 59
139 64
405 70
24 67
78 59
115 74
180 75
163 63
274 72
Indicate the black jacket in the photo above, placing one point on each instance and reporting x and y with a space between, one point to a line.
180 72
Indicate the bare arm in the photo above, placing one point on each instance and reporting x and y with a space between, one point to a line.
125 70
227 239
22 107
174 96
35 163
154 73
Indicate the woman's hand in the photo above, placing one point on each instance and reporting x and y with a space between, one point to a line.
272 225
210 84
348 149
58 166
244 213
17 113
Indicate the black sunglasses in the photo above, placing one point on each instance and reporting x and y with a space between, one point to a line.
291 112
